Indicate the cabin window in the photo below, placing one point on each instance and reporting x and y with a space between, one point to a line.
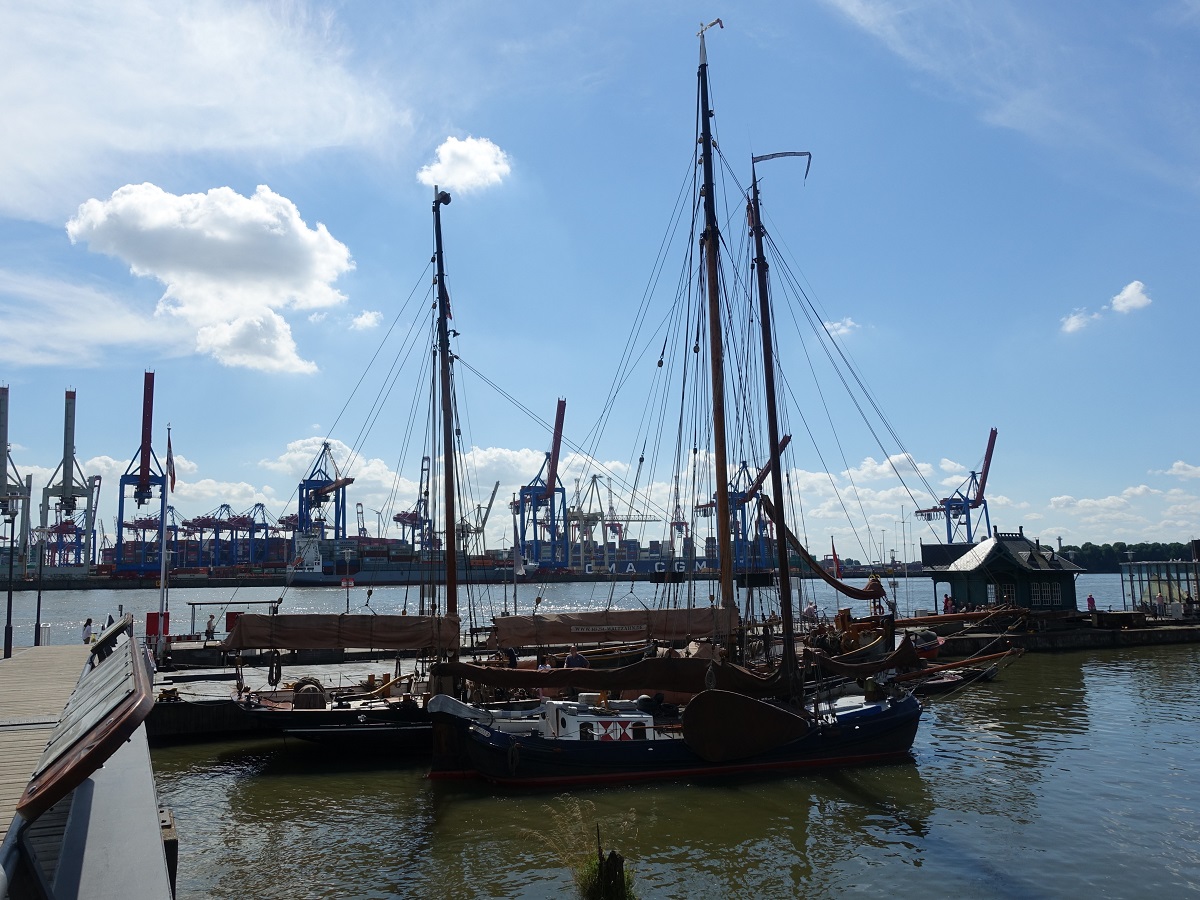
1008 593
1056 593
991 595
1036 596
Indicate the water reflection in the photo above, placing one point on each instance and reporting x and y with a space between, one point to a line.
1072 773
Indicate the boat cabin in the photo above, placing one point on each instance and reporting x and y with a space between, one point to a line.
1006 569
587 720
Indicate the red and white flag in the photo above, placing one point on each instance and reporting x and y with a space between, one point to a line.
837 566
170 462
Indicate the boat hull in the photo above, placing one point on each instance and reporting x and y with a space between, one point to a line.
369 736
464 749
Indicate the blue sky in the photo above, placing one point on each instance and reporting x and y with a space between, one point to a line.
1001 213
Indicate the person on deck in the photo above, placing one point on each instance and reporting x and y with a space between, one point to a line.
1160 605
947 604
87 631
1091 603
810 612
543 666
210 630
576 660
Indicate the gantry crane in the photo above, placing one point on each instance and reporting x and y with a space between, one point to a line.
969 496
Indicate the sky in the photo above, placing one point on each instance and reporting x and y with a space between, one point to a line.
1000 227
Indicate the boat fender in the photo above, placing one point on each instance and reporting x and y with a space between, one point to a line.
275 670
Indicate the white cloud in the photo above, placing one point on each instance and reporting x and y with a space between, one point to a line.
1078 320
466 165
1133 296
842 327
1181 469
1118 87
228 262
95 91
39 316
871 469
368 318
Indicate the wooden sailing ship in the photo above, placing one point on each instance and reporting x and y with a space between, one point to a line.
736 720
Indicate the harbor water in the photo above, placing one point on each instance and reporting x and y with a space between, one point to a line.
1072 774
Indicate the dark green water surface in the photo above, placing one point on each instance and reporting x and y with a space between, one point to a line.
1071 775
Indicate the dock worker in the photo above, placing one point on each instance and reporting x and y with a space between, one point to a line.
576 660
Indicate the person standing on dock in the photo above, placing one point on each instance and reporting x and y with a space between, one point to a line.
87 631
210 630
1091 603
1160 605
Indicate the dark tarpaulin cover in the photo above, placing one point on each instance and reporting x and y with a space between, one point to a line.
254 631
673 674
611 625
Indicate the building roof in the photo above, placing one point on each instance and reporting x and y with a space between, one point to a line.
1017 549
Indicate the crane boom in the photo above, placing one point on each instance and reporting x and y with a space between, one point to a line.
987 464
555 447
488 509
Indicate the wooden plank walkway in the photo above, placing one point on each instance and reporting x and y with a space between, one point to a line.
35 685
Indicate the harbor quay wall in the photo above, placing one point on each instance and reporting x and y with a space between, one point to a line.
1084 638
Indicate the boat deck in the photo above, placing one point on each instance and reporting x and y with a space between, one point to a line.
35 685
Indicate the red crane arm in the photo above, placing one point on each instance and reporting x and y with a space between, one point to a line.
987 464
555 447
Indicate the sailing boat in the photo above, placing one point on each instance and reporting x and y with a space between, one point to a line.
737 720
388 716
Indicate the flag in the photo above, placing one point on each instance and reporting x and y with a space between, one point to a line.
837 566
170 462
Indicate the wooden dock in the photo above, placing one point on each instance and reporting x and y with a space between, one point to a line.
35 685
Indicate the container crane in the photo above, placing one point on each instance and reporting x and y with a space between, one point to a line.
324 483
957 508
482 514
144 475
542 507
75 530
14 495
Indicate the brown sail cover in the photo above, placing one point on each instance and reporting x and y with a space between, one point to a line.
667 674
331 632
611 625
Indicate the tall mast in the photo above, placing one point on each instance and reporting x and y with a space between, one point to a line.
788 662
710 245
450 545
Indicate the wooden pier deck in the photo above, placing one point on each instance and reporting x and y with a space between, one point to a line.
35 685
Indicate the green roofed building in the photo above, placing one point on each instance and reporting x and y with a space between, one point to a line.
1004 570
